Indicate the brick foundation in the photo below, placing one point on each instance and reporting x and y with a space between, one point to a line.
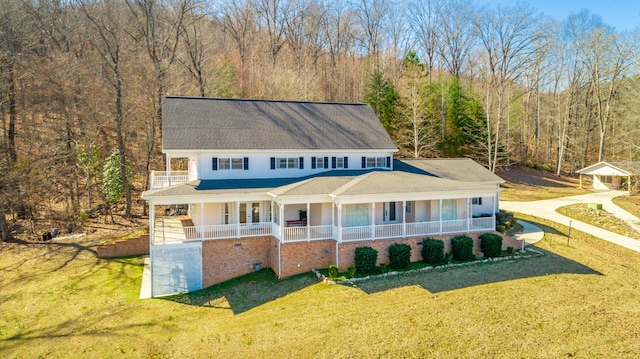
300 257
129 247
223 259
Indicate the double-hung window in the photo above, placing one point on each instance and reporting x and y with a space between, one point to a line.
287 162
372 162
339 162
230 163
476 201
225 163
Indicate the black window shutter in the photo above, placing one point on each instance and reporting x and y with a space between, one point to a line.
364 162
273 163
333 162
313 162
326 162
301 163
246 163
214 163
346 162
480 200
389 162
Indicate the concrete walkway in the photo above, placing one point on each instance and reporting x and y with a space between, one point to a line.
547 209
145 288
530 233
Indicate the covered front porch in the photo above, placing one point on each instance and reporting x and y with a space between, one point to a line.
342 222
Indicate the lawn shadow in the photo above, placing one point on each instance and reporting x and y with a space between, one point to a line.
446 279
245 292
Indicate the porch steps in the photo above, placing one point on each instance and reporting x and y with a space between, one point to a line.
126 247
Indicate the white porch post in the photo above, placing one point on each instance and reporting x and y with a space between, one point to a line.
168 165
333 222
339 223
307 220
468 214
281 209
238 219
373 220
404 219
152 222
202 220
440 215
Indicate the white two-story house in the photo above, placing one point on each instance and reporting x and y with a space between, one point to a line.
295 185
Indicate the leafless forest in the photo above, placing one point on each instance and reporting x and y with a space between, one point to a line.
82 79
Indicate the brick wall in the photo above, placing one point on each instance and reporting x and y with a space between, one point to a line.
273 255
223 259
129 247
300 257
347 250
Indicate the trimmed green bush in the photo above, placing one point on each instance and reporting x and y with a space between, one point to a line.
491 244
352 272
399 255
510 251
432 250
333 271
504 220
365 260
462 248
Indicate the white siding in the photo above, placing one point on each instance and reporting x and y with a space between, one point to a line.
260 164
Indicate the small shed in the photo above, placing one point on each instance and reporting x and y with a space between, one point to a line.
610 175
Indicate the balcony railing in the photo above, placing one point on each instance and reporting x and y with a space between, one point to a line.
172 234
160 179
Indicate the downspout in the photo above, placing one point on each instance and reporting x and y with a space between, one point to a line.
152 215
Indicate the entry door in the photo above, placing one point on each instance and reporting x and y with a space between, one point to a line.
250 212
389 212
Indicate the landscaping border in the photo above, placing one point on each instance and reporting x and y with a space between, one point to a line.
326 280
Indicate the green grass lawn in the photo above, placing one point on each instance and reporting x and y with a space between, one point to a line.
58 300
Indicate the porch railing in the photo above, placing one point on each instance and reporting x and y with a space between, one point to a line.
161 179
166 235
294 234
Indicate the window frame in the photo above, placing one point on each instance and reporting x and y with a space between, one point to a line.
230 163
284 163
376 162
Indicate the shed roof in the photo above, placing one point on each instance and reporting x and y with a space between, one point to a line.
228 124
629 168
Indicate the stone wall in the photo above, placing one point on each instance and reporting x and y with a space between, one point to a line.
124 248
223 259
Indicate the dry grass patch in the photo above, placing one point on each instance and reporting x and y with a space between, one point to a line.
528 184
630 204
598 218
58 301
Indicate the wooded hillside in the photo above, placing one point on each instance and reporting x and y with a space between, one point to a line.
82 81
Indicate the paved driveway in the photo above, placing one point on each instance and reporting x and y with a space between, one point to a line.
547 209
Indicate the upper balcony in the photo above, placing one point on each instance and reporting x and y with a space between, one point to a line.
162 179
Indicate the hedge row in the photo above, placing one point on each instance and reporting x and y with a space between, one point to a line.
432 252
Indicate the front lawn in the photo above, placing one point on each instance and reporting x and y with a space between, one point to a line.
58 300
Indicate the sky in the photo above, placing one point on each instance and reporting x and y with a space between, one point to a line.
621 14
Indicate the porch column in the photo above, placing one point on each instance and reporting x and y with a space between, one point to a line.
404 219
440 216
373 220
168 165
281 209
307 220
202 220
339 223
333 222
238 219
580 181
152 222
468 214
